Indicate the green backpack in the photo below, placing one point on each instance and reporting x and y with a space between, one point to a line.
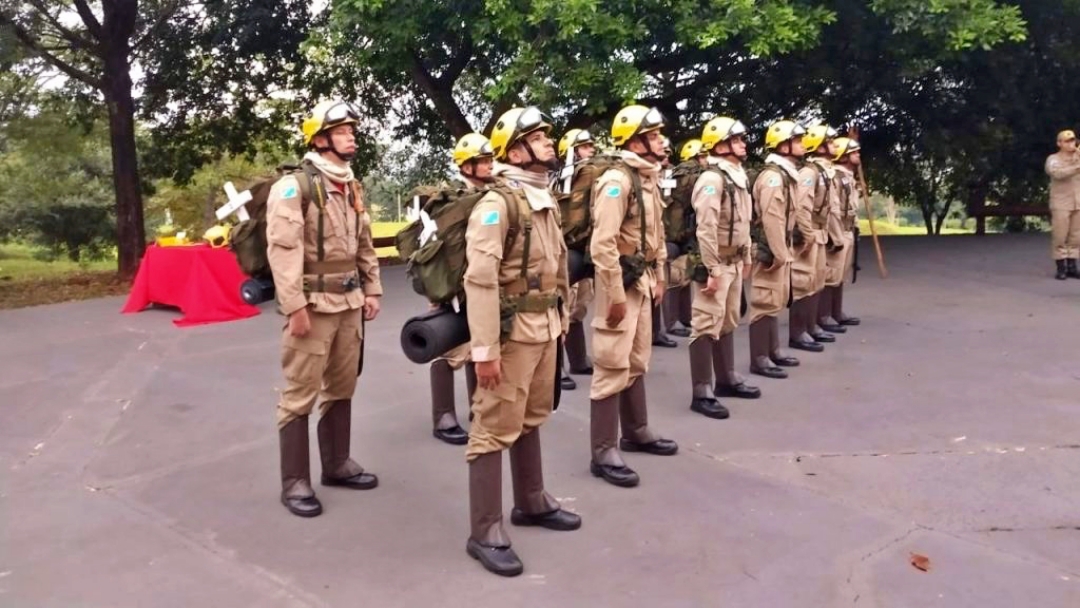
680 222
247 240
576 206
437 267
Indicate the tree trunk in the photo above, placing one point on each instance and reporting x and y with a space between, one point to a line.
130 231
942 215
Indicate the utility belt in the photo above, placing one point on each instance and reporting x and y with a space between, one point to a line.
729 256
634 263
316 282
518 296
849 223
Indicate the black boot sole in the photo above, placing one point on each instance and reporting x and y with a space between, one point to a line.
568 384
476 552
615 481
823 338
726 390
341 483
450 439
810 347
303 513
645 448
850 322
717 414
834 329
519 518
774 373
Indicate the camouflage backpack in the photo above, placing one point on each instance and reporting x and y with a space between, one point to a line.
437 267
247 240
576 206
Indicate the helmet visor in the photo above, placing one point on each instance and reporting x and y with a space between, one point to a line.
582 137
532 119
737 129
339 113
485 150
652 120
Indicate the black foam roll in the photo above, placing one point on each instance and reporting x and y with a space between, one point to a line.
434 333
579 267
257 291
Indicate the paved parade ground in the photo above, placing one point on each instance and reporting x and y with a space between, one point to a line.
139 464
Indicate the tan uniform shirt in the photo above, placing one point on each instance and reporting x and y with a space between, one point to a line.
848 190
292 241
817 201
775 200
617 226
723 225
1064 172
491 266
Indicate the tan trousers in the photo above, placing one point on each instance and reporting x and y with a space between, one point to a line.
769 291
1065 234
621 354
837 263
581 296
717 314
521 402
321 365
457 357
678 273
808 270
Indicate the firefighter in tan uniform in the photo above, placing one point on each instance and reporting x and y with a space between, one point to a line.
832 317
1063 167
326 274
516 372
581 293
474 159
816 202
678 296
627 248
775 192
722 208
665 313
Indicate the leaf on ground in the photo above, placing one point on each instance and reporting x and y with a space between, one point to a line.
921 562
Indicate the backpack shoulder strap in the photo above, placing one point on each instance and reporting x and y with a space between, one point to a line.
519 218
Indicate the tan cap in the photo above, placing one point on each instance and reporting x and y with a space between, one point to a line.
1066 135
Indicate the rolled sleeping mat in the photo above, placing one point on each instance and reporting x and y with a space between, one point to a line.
257 291
579 267
434 333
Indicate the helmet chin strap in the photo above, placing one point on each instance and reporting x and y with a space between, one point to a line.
648 149
550 165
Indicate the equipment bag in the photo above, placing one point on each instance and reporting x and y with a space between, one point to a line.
247 240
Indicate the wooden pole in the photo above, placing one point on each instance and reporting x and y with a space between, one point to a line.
853 133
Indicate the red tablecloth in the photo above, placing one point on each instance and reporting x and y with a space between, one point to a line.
203 282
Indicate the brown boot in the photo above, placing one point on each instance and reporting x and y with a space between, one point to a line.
488 541
443 409
576 353
798 325
813 304
532 505
634 416
296 492
825 310
659 336
335 434
607 462
760 362
686 306
701 369
728 382
777 356
838 308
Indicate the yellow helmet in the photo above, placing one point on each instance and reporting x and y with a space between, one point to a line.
845 146
692 148
472 146
514 124
781 131
816 136
217 236
572 139
635 120
720 129
326 115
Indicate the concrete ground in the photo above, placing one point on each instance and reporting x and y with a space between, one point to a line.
138 464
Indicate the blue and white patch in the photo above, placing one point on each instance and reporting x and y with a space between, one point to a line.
614 191
290 191
709 190
774 182
513 183
808 181
490 218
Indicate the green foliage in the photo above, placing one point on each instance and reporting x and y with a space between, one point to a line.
56 184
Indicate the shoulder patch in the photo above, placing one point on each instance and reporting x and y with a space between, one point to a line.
614 190
808 181
774 182
709 190
490 218
513 183
289 188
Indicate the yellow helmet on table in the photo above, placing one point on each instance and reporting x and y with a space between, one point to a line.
217 236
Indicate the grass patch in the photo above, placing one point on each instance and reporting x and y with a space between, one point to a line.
26 279
886 229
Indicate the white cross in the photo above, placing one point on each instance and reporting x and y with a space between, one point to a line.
667 183
568 169
236 203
